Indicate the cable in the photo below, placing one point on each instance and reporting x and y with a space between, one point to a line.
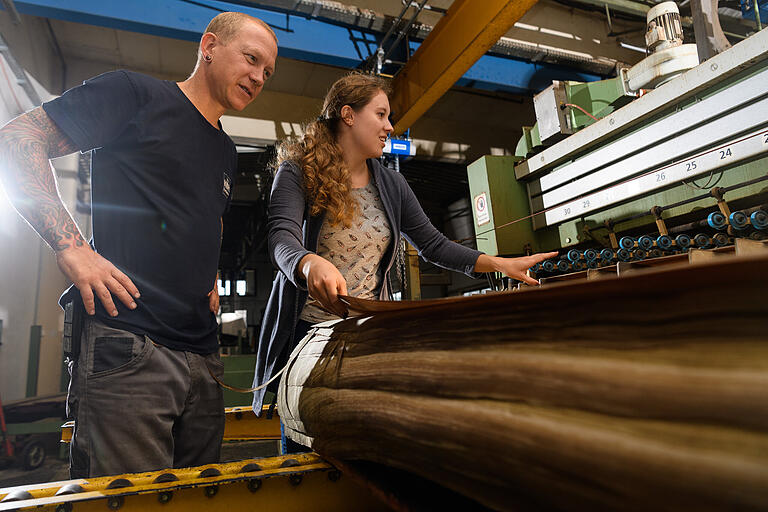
696 186
275 376
578 107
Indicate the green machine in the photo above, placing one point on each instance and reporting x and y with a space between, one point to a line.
646 162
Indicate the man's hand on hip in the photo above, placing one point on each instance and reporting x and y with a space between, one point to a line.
95 277
213 299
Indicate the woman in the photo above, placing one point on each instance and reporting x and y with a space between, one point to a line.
336 215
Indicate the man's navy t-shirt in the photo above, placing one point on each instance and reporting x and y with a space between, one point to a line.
161 178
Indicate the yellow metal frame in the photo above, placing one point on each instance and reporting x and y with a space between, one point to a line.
240 424
468 30
292 482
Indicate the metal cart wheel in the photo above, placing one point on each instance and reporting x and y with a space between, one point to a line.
32 455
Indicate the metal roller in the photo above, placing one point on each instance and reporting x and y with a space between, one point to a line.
645 243
573 255
721 239
606 255
759 219
624 255
627 242
683 242
664 242
739 220
702 240
717 220
590 254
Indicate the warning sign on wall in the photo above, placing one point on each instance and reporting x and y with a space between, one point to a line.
481 210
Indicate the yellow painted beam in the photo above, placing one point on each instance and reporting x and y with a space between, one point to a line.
240 424
468 30
293 482
412 275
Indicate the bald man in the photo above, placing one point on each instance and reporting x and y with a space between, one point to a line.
141 390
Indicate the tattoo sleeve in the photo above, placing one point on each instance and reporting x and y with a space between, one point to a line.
26 146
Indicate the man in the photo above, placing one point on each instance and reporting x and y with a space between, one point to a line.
141 391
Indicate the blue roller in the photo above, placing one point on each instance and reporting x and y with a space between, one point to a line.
578 265
624 254
645 243
563 266
639 254
759 219
548 266
721 239
739 220
592 264
606 255
701 240
716 220
683 242
655 253
573 255
664 243
590 254
627 242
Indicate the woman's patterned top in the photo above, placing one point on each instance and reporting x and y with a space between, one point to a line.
356 251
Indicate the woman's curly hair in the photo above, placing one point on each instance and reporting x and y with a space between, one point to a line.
326 177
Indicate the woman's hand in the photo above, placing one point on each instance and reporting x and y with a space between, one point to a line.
515 268
324 282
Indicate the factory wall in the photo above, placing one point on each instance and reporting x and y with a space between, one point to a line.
31 281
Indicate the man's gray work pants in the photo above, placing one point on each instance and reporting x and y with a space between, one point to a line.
139 406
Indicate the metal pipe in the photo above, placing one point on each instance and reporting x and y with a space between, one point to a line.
394 24
403 32
10 7
757 15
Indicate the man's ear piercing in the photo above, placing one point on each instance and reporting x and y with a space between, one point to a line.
207 58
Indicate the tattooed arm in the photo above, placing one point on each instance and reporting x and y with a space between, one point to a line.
26 145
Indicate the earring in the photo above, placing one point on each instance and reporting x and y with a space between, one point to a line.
208 58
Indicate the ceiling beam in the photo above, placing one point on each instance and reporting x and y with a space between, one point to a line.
468 30
299 35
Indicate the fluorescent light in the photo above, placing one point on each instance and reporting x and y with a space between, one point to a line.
555 33
526 26
632 47
250 149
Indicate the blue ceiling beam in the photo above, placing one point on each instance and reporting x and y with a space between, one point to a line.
494 73
299 38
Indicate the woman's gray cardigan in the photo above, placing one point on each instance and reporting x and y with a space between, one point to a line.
293 234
